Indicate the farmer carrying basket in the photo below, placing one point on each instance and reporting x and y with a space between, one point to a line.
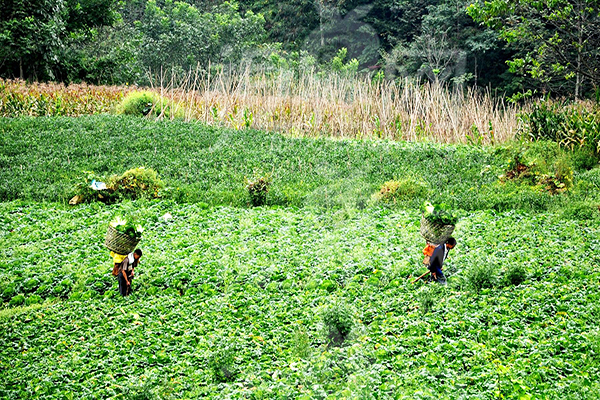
121 238
437 224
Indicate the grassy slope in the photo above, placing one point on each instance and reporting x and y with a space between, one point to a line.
255 280
42 159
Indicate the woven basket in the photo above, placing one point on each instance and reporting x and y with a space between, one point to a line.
119 242
435 233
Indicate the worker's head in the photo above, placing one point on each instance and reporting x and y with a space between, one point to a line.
450 243
137 254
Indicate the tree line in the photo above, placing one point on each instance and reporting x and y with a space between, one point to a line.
516 46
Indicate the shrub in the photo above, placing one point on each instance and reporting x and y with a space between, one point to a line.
137 183
337 322
148 103
258 187
427 297
481 275
404 189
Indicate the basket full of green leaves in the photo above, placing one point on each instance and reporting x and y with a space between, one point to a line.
437 222
123 235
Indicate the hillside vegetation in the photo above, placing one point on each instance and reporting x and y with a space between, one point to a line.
45 159
309 296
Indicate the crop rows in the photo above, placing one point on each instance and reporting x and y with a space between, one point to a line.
253 283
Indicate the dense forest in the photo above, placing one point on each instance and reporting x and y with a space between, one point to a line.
516 47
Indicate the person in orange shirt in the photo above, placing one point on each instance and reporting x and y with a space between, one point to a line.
436 259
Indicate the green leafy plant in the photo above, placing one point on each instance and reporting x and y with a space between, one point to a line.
439 213
337 322
127 226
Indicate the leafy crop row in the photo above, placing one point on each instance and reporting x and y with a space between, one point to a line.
229 302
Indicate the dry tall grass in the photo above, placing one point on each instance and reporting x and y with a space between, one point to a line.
344 107
307 105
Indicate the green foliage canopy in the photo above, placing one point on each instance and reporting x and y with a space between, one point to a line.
558 38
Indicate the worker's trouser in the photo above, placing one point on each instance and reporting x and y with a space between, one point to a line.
439 276
124 289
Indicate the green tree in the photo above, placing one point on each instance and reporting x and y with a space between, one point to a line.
30 35
178 36
560 39
34 33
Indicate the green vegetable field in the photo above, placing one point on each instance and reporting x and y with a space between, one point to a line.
240 302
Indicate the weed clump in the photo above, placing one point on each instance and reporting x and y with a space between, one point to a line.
427 297
481 276
337 322
398 190
258 187
221 361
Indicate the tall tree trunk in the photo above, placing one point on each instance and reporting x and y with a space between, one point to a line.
321 5
579 50
20 68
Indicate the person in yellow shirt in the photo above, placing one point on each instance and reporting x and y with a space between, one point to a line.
125 266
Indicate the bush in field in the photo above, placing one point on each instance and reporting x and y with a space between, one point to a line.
137 183
337 322
398 190
258 187
147 103
481 275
